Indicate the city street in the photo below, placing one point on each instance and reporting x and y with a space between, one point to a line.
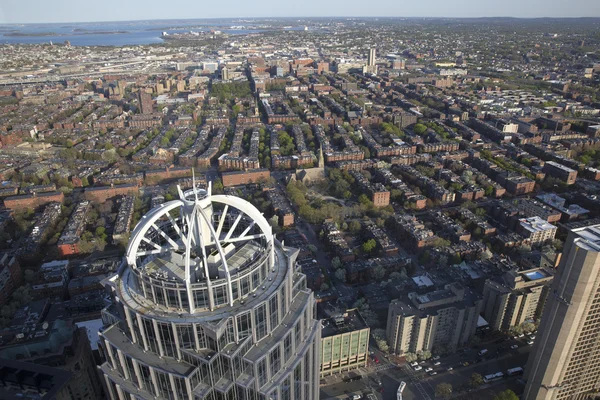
420 385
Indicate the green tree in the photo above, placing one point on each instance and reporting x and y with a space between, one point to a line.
443 390
476 380
528 326
101 233
217 186
354 226
382 345
378 273
340 274
480 212
336 263
364 199
410 357
22 295
378 333
419 129
440 242
506 395
369 246
395 275
29 275
456 259
516 330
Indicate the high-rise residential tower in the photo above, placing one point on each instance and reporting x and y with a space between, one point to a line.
145 102
209 305
565 360
371 67
371 61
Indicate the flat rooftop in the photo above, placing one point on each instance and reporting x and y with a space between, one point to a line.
435 296
347 322
588 237
535 224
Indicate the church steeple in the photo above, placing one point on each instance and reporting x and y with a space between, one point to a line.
321 158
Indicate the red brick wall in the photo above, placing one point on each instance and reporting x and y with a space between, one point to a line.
246 177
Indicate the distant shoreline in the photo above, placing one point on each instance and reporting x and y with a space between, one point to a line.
79 33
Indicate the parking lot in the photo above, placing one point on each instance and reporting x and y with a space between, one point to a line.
455 369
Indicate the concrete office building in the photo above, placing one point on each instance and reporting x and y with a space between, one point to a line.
440 320
564 362
209 305
345 343
516 297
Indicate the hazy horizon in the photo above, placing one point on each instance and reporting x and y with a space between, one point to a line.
75 11
284 17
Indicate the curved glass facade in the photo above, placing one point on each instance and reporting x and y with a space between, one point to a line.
172 332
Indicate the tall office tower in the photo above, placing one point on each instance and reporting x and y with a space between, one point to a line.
209 305
371 60
145 101
565 360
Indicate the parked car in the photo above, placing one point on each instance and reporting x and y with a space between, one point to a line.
418 368
436 363
449 369
428 369
434 358
414 364
514 346
530 342
432 373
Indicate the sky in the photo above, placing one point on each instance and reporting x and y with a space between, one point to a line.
37 11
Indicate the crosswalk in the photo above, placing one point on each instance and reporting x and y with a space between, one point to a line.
416 383
383 367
